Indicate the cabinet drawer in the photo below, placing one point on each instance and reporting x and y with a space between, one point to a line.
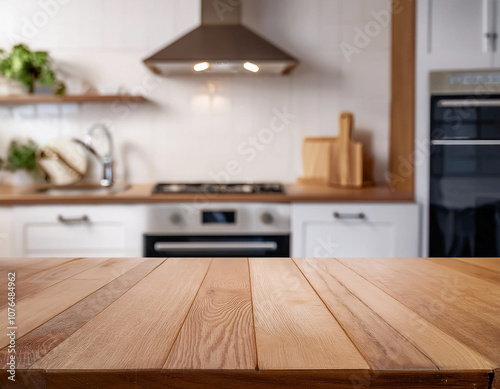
86 237
80 230
355 230
360 240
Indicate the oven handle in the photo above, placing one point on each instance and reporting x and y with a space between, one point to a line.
469 103
465 142
215 246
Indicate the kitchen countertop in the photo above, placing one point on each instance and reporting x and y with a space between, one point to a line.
254 323
23 195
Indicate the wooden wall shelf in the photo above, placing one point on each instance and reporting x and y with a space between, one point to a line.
51 99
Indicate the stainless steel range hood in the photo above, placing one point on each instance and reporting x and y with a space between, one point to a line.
221 45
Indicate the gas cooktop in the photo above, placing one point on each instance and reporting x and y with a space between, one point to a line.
260 188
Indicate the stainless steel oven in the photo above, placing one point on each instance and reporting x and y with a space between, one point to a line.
218 230
464 212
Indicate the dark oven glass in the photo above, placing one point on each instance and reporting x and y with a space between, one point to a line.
465 180
201 246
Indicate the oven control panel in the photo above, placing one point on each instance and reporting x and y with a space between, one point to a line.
230 218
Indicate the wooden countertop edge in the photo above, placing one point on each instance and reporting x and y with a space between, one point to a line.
250 379
141 194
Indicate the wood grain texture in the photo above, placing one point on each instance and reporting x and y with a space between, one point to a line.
442 349
27 286
316 158
488 263
218 332
383 347
294 329
40 307
93 380
496 379
347 156
36 309
150 316
402 135
470 268
445 297
25 379
31 265
43 339
24 267
318 379
133 323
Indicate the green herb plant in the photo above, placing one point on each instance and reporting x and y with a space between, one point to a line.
21 156
30 68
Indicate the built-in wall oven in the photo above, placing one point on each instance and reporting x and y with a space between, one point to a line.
218 230
464 213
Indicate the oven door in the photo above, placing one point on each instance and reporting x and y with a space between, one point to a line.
465 199
221 246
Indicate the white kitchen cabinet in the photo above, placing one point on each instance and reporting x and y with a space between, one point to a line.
458 33
496 39
355 230
78 230
5 232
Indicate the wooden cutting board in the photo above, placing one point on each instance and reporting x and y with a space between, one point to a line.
347 156
316 157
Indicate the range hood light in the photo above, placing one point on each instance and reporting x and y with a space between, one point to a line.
221 45
199 67
251 67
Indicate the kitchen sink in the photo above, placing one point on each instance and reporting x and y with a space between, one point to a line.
77 190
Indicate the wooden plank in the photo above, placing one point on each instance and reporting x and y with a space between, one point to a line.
218 332
383 347
496 379
112 266
294 329
441 348
24 379
27 286
318 379
470 269
43 339
430 380
443 297
402 136
93 380
150 316
224 379
36 309
24 267
488 263
10 264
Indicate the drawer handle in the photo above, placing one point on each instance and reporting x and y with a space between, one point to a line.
360 216
75 220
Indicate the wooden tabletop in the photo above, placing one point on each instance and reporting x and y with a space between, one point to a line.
252 323
141 193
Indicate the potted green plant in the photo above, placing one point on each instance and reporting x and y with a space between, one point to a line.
30 68
21 159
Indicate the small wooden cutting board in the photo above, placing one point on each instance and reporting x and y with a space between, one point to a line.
347 156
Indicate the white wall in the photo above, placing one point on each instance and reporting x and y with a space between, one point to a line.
196 126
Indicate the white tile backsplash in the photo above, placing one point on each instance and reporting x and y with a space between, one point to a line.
196 128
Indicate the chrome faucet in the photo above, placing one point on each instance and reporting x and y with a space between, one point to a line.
107 159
